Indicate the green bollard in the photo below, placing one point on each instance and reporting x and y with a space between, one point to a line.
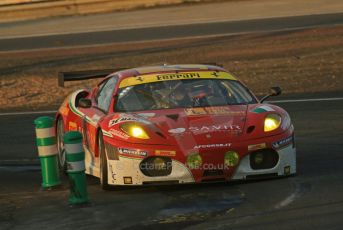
47 151
75 157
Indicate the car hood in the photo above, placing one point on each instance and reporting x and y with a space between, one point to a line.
189 127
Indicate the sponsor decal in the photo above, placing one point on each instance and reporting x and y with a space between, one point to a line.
114 175
213 128
177 76
122 118
118 133
216 74
220 110
132 152
286 122
107 134
177 130
147 115
195 111
263 109
166 153
64 110
257 146
283 142
72 126
212 146
148 78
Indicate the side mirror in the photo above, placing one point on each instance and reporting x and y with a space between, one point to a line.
85 103
274 91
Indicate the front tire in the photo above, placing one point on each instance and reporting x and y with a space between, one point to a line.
62 164
103 163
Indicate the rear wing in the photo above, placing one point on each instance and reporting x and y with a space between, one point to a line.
213 63
92 74
84 75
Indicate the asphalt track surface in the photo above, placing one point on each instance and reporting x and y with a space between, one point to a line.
310 200
170 32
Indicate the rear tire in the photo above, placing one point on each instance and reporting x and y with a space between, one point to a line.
62 164
103 163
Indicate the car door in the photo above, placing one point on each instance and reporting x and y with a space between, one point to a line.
101 102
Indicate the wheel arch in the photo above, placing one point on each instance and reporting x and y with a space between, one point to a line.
57 117
98 131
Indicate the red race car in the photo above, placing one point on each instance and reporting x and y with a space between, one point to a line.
175 124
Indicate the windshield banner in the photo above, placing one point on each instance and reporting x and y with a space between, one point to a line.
137 80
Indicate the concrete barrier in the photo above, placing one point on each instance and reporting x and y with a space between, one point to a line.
19 10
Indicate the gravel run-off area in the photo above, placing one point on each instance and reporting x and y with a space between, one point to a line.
299 61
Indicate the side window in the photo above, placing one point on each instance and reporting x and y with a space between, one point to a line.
105 94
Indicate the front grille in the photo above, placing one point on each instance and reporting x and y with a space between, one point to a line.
264 159
161 182
156 166
213 180
261 176
213 172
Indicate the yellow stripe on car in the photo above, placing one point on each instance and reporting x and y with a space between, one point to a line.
149 78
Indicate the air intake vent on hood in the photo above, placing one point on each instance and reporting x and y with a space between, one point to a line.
173 116
250 129
161 135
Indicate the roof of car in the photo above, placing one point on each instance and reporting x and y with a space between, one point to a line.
167 69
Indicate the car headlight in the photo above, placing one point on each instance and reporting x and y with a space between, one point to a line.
231 158
271 122
194 161
134 130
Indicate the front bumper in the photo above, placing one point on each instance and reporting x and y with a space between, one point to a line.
126 170
123 168
285 166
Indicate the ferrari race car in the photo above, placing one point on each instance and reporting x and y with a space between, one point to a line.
175 124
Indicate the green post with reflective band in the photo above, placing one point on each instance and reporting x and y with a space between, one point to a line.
47 151
75 157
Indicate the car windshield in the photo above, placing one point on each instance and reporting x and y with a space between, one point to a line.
182 94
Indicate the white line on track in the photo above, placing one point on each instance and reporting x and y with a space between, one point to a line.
280 101
165 39
287 201
184 22
27 113
308 100
21 168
